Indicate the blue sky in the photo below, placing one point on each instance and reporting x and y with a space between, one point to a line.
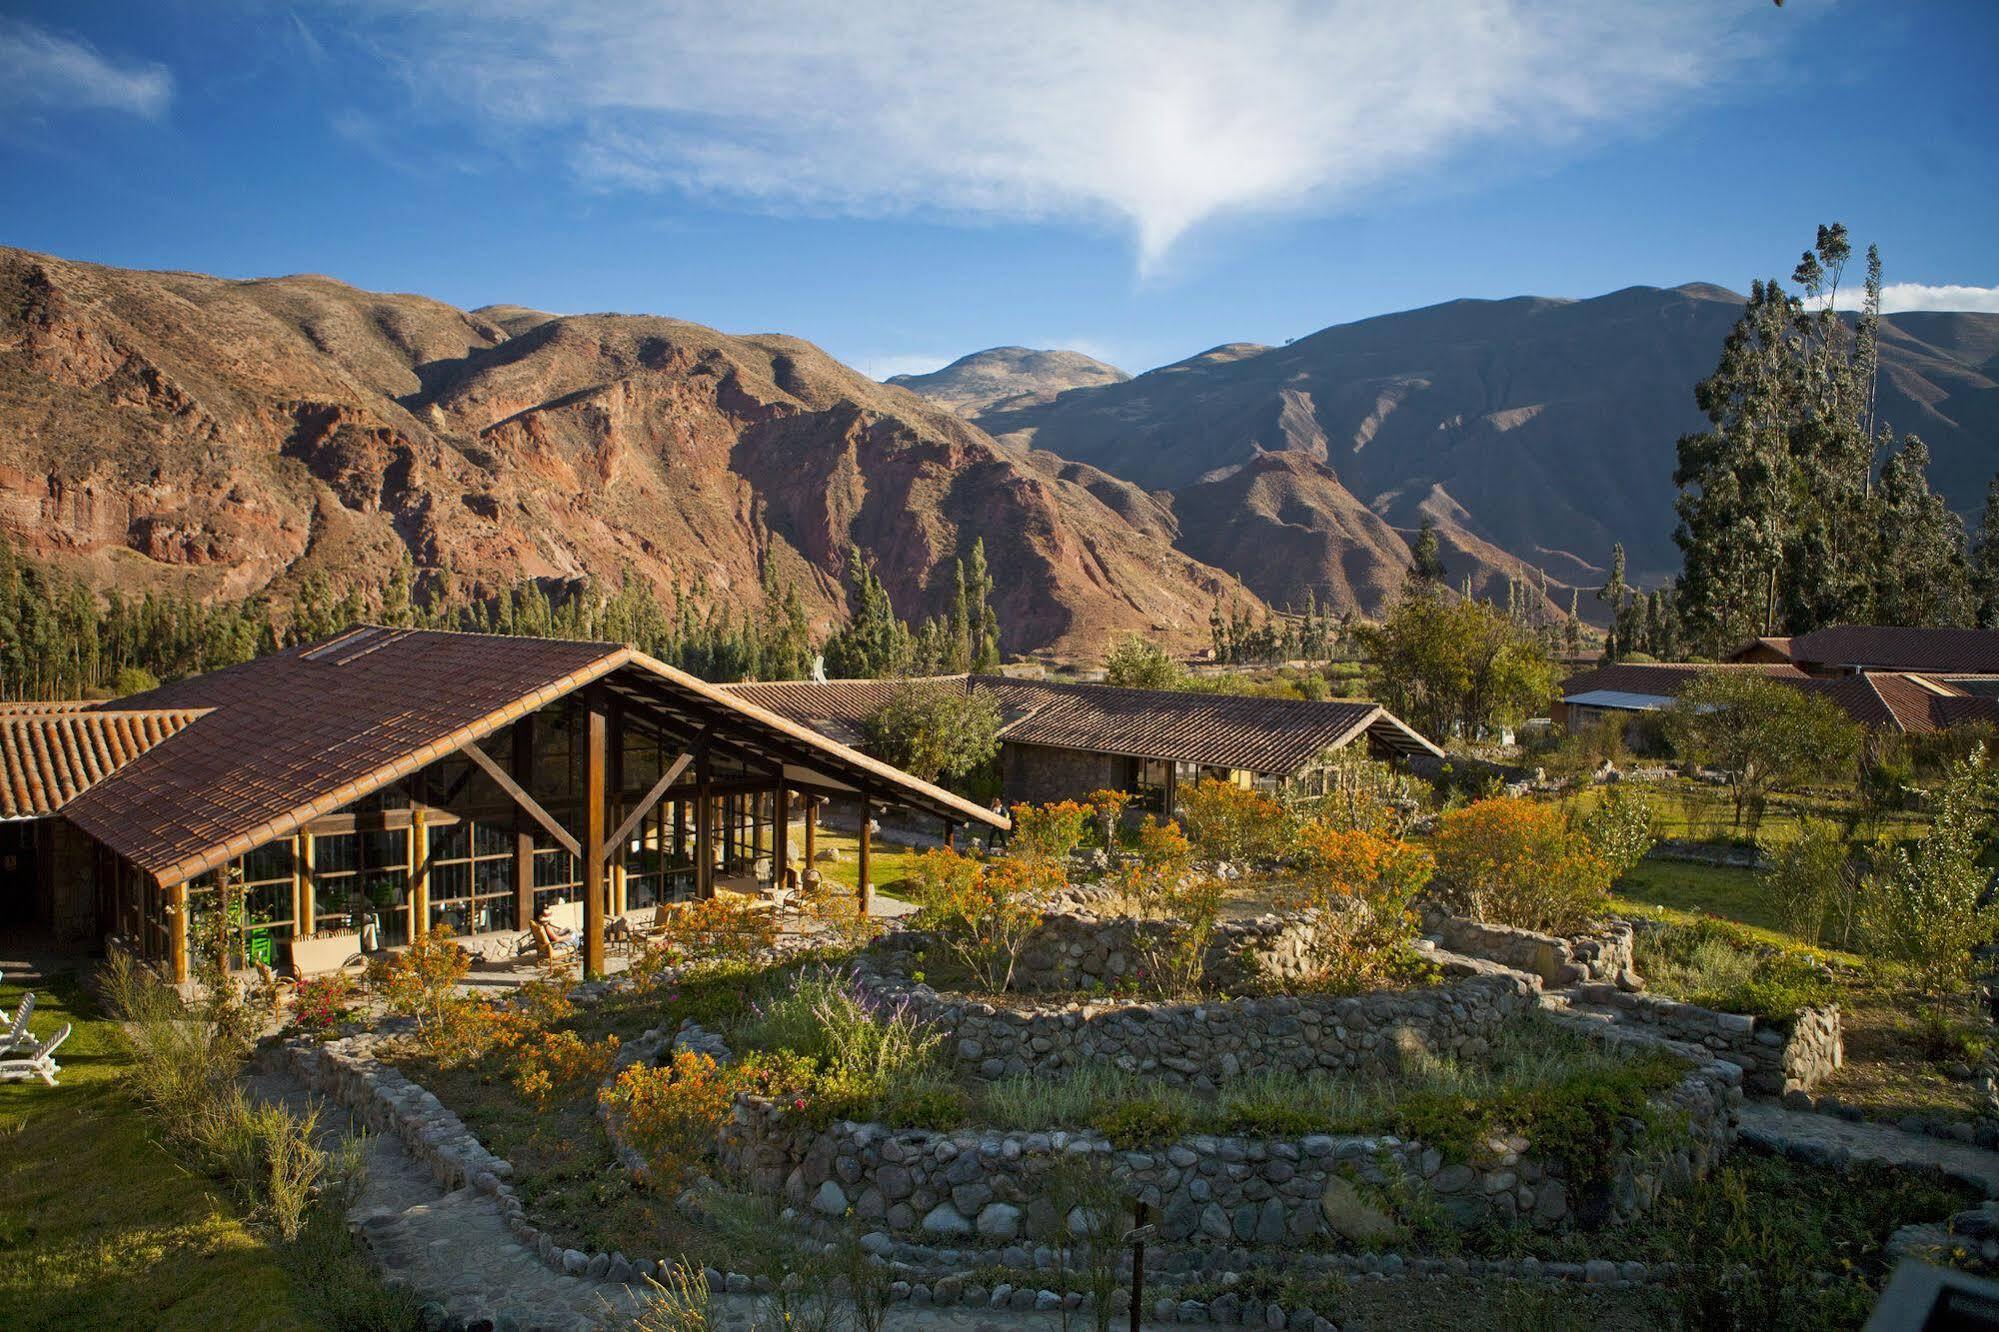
903 183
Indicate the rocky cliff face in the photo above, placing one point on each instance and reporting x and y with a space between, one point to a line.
177 431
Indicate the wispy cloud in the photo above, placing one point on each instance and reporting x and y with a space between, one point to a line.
1898 297
40 69
1155 117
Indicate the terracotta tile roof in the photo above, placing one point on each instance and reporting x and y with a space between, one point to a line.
1881 647
1266 735
303 732
1878 700
1665 679
52 753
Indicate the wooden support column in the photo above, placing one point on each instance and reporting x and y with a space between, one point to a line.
704 818
419 859
950 835
307 871
523 771
595 798
811 832
866 886
615 855
780 833
176 931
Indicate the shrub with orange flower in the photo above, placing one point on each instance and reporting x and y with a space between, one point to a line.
1358 887
1107 807
560 1061
421 981
984 911
1516 862
720 928
1230 822
1048 832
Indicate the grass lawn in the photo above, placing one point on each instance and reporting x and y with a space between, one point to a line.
1695 811
99 1227
1889 1072
889 865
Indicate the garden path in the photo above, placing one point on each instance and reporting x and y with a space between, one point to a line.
454 1249
1827 1137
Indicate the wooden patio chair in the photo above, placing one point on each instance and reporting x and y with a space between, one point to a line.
276 988
39 1062
17 1037
549 948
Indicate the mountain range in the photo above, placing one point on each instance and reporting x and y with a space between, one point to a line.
193 434
1532 429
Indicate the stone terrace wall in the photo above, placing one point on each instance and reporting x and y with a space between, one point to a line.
1602 955
973 1186
1074 951
1206 1043
1775 1057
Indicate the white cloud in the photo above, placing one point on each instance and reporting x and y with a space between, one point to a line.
38 68
1897 297
1151 116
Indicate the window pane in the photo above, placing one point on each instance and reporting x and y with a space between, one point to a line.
492 839
554 868
450 841
493 876
268 862
386 848
336 853
450 880
267 902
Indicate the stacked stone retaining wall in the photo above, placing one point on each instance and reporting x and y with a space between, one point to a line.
1599 955
1776 1057
1204 1044
974 1187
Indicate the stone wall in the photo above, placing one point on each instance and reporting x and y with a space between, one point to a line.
1038 774
974 1187
1601 955
1775 1057
1202 1044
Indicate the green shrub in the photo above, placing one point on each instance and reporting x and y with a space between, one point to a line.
1143 1122
1716 964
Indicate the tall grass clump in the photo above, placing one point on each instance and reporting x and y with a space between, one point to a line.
856 1055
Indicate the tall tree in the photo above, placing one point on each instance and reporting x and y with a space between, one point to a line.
1919 572
1427 550
1612 594
1985 560
1776 501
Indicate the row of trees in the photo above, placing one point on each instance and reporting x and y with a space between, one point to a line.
58 640
1798 507
1311 633
876 643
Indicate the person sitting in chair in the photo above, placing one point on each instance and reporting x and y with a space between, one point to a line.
560 936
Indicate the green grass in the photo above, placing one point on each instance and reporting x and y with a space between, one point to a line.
99 1227
889 865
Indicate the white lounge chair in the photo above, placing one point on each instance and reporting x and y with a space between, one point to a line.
39 1062
16 1037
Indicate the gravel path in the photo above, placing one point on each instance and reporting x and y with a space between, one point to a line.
1830 1139
454 1249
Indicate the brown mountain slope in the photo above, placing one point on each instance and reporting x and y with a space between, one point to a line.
1544 429
179 431
1007 379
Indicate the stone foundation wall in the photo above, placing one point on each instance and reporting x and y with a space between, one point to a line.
973 1187
1601 955
1775 1057
1204 1044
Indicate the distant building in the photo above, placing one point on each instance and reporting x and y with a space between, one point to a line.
1936 693
1062 740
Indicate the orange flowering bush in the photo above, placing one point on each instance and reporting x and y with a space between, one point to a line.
1359 887
1230 822
1164 846
1048 832
1107 807
421 982
984 911
719 928
559 1061
1515 862
672 1111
